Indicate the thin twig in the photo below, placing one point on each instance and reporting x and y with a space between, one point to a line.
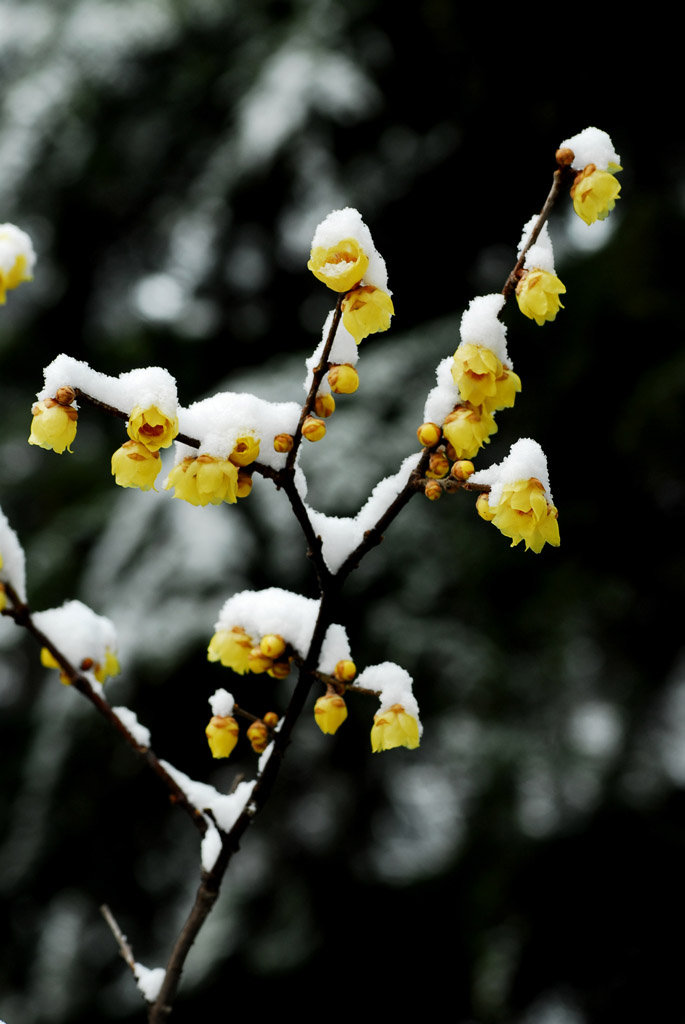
121 940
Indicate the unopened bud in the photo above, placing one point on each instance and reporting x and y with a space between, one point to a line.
433 490
565 157
462 469
324 406
65 395
270 719
280 669
222 735
258 735
438 466
87 664
429 434
345 671
272 645
313 429
330 712
450 452
257 661
283 442
244 485
343 379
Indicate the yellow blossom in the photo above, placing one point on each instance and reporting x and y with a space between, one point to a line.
134 465
524 514
594 193
204 480
340 266
110 667
49 661
152 427
3 593
53 425
222 735
330 711
232 648
468 428
483 379
16 258
537 294
245 450
394 727
366 310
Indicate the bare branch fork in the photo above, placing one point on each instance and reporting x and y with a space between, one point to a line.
330 587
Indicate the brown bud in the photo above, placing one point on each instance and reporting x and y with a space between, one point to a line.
65 395
438 466
270 719
280 669
429 434
283 442
258 735
565 157
433 490
462 469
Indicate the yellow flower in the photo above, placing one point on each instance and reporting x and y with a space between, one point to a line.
468 428
49 661
594 193
365 311
204 480
245 450
109 668
524 514
222 735
16 258
152 427
232 648
330 711
53 426
394 727
340 266
537 294
483 379
134 465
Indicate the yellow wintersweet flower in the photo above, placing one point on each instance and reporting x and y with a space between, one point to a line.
394 727
340 266
53 425
468 428
152 427
330 711
245 450
204 480
483 379
134 465
366 310
222 735
594 193
110 667
537 294
524 514
16 258
232 648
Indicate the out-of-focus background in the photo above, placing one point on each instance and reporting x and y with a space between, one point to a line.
171 160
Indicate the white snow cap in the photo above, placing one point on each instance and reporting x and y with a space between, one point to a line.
144 387
393 685
15 243
540 256
78 633
480 325
289 615
149 980
140 733
221 703
525 460
445 395
217 423
347 223
592 146
226 807
13 569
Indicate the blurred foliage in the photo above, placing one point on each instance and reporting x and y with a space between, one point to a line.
171 160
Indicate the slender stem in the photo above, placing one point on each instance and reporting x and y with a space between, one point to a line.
121 940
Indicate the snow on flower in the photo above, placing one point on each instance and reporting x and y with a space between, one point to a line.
397 722
87 640
343 254
595 189
17 258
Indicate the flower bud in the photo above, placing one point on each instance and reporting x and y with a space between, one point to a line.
244 484
283 442
257 661
324 406
433 490
438 466
343 379
270 719
345 671
280 669
313 429
258 735
330 711
429 434
462 469
272 645
65 395
565 157
222 735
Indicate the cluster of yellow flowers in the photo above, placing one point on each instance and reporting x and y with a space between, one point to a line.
485 385
236 650
222 733
208 480
137 463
